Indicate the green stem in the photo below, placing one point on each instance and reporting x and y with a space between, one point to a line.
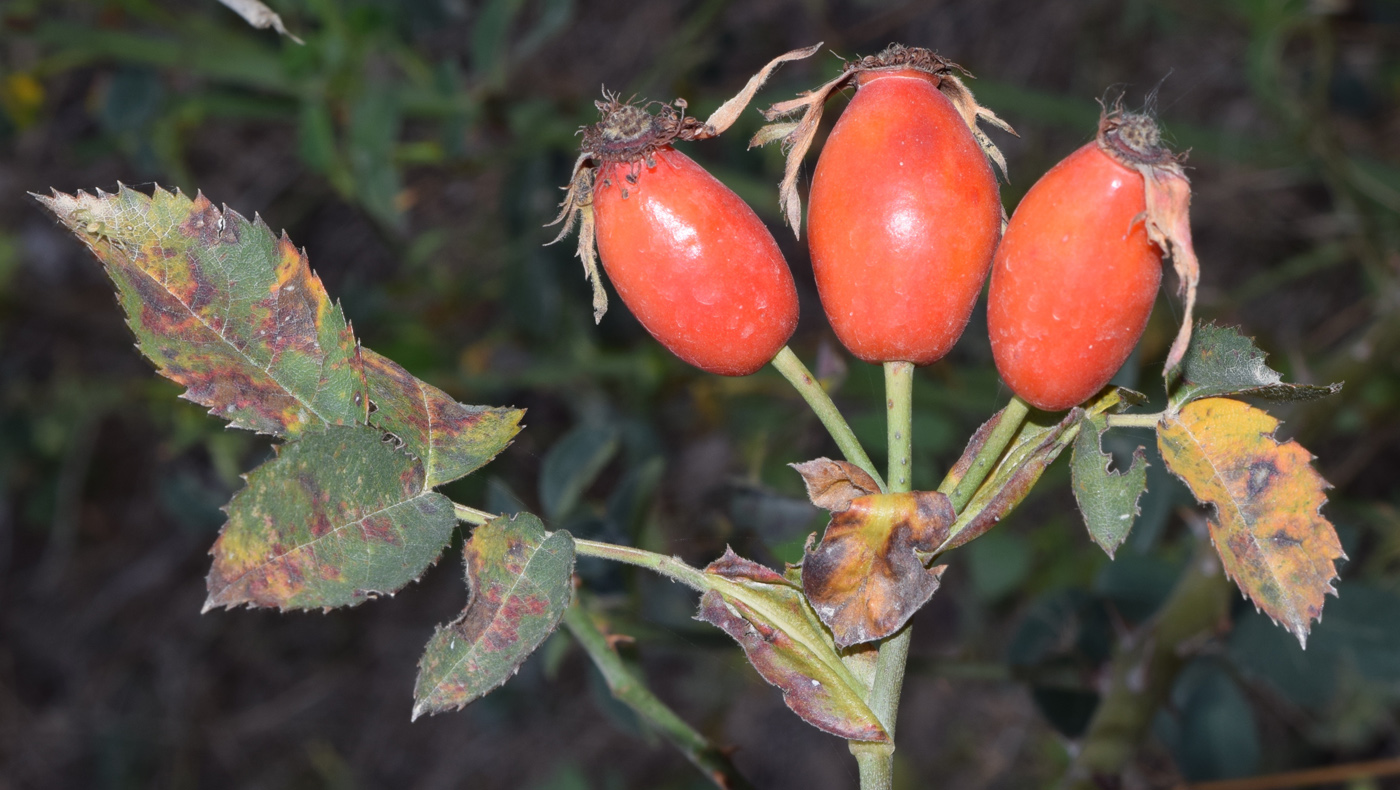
1135 420
1008 425
471 515
806 385
671 567
876 762
631 691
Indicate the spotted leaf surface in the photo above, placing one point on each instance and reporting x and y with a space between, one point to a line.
768 616
337 517
865 579
1221 361
450 438
520 578
224 307
1272 538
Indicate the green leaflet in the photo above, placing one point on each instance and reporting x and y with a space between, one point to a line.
1108 500
337 517
520 578
452 440
1036 446
768 616
224 307
1221 361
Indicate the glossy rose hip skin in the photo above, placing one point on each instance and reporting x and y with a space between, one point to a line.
904 216
693 263
1073 281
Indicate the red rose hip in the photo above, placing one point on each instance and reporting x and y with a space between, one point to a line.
1077 272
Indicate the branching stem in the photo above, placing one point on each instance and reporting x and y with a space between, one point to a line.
671 567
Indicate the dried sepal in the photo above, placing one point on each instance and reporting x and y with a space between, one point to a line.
577 208
797 136
1134 140
724 117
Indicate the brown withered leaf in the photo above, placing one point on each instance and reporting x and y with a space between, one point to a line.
865 579
767 615
832 485
1272 538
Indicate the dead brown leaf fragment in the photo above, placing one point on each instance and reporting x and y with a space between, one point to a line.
1273 540
865 578
832 485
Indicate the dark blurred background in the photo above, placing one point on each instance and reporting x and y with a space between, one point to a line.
416 148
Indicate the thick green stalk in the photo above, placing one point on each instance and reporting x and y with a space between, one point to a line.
631 691
471 515
806 385
671 567
876 762
986 461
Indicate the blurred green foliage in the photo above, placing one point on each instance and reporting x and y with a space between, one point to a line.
415 148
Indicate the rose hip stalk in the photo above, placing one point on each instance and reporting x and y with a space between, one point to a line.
1077 272
691 260
905 211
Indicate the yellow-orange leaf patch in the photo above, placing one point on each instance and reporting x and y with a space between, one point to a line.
1268 528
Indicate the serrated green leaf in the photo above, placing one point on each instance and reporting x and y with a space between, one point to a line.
1108 500
769 617
1221 361
224 307
520 578
336 518
450 438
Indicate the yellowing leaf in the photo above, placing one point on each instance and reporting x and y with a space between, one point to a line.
1272 538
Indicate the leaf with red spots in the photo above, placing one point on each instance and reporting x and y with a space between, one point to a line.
521 579
452 439
766 613
336 518
225 307
1268 528
865 579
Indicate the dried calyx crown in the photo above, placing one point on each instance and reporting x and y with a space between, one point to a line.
898 56
1134 138
628 132
796 136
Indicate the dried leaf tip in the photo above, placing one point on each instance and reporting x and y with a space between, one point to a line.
796 136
